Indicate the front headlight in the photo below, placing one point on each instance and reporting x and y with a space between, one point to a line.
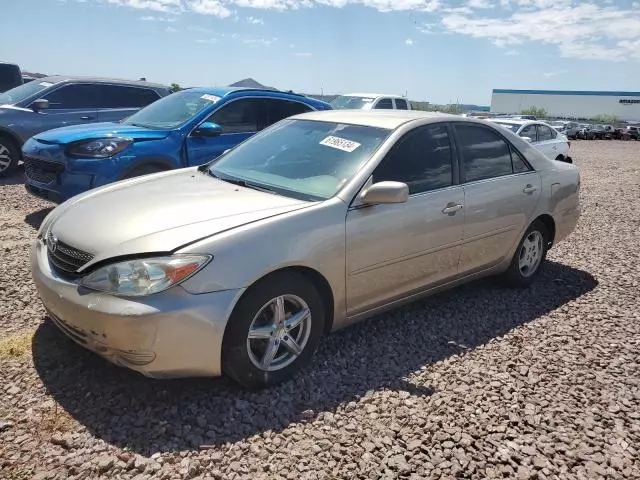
99 148
145 276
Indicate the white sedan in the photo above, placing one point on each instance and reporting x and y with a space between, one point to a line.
553 144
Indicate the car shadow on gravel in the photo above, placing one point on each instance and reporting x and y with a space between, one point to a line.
35 219
147 416
15 178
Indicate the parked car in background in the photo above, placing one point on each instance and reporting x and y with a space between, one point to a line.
553 144
371 101
585 132
168 274
10 76
633 131
187 128
571 130
53 102
602 132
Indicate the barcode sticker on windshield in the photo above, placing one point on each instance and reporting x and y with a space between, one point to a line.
211 98
45 84
340 143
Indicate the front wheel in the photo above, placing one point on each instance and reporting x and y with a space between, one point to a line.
273 331
530 254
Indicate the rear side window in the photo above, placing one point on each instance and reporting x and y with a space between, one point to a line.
117 96
279 109
529 131
401 104
519 165
485 154
421 159
384 104
76 96
545 133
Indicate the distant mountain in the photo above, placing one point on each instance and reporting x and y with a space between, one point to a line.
250 83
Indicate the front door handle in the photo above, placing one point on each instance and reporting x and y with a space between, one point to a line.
529 189
86 117
452 208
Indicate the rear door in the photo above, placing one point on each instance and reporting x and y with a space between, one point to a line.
401 104
121 101
239 119
71 104
384 104
501 192
548 141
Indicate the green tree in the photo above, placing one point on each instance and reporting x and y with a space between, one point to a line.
175 87
535 111
608 119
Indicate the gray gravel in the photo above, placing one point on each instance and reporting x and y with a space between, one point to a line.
480 382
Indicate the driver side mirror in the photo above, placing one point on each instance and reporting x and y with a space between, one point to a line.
385 192
40 104
207 129
527 139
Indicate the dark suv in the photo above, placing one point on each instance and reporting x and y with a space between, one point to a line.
53 102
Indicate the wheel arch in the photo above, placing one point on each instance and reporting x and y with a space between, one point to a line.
162 163
13 138
550 224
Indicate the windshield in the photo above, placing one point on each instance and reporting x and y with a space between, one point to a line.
18 94
303 159
172 110
510 126
351 102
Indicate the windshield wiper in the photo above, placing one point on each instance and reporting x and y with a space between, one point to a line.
241 183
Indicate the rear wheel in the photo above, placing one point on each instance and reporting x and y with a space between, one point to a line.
9 156
530 254
273 331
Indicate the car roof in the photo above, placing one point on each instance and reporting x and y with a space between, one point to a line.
224 91
119 81
389 119
515 121
372 95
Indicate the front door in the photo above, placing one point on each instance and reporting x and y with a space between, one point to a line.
501 192
239 119
393 250
71 105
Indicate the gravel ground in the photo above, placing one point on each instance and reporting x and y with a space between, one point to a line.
479 382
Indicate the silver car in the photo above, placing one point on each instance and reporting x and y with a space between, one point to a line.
240 266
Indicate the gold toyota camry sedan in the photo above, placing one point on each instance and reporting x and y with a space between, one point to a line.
241 265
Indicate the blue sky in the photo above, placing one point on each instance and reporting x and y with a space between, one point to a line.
435 50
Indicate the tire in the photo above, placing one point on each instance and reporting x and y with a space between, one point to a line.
246 360
143 170
9 157
515 276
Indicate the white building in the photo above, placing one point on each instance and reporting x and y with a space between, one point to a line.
570 104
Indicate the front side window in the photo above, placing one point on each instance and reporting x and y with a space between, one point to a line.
117 96
421 159
384 104
240 116
530 132
485 154
23 92
401 104
280 109
304 159
76 96
173 110
545 133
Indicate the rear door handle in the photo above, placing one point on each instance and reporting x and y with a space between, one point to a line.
86 117
452 208
529 189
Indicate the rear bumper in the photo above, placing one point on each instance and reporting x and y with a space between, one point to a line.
169 334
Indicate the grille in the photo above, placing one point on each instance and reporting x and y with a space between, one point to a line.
41 171
65 258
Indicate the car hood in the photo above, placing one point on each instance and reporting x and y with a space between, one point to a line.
160 213
99 130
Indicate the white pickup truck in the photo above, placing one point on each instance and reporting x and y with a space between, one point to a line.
371 101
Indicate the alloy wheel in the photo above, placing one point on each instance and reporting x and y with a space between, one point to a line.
5 158
279 332
531 253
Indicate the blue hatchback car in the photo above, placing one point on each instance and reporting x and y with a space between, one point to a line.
186 128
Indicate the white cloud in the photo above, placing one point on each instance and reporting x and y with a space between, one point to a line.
170 30
158 19
479 4
207 40
174 6
302 54
408 41
582 31
209 7
255 21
